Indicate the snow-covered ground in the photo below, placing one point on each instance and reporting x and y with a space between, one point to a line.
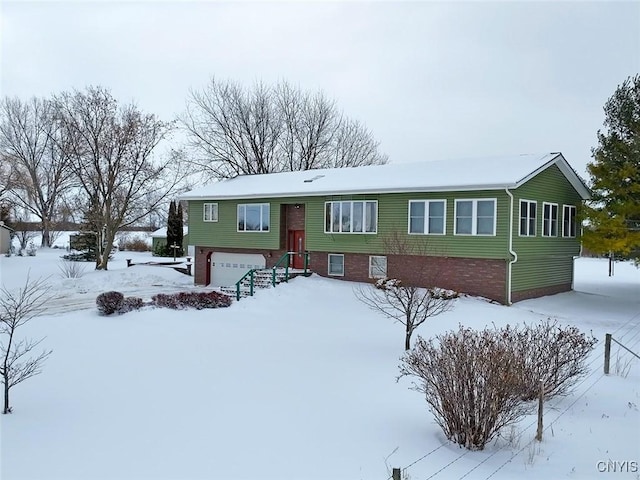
298 382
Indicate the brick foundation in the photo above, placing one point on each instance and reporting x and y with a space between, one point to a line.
540 292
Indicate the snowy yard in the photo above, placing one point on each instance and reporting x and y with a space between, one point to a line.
298 382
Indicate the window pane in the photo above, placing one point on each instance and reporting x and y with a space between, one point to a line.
463 225
436 217
357 216
241 217
327 212
523 226
436 225
417 209
485 226
485 208
336 265
252 218
378 267
346 216
436 209
371 217
523 209
532 226
416 225
265 217
464 209
532 210
335 217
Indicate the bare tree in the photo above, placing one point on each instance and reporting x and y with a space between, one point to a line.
409 302
235 131
6 176
111 150
19 361
41 172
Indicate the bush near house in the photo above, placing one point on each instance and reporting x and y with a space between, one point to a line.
197 300
115 302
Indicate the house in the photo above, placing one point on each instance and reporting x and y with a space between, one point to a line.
5 237
159 238
503 228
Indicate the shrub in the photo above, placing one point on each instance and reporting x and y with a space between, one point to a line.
471 381
70 269
197 300
129 304
109 302
134 245
552 354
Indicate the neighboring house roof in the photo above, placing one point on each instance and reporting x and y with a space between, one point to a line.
444 175
162 232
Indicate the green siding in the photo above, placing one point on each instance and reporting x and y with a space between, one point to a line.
544 261
393 211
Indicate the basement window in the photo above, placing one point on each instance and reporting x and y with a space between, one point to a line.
336 265
377 267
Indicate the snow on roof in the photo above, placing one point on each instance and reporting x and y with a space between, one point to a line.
444 175
162 232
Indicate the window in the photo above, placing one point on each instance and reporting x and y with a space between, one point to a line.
377 267
210 212
550 220
475 217
336 265
253 217
527 218
568 221
351 217
427 216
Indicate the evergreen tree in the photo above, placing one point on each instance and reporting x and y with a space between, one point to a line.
614 212
172 231
180 226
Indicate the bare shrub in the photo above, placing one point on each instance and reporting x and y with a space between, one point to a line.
134 245
197 300
471 381
552 354
109 302
408 304
71 269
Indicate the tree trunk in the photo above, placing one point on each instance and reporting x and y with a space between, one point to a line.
5 410
407 340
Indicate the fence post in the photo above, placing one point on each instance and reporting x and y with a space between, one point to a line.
396 474
607 352
540 404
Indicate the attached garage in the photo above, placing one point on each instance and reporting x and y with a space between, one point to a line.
225 269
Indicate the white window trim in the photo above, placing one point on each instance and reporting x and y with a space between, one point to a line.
204 211
535 225
364 208
329 265
252 205
544 234
575 213
474 216
371 257
426 217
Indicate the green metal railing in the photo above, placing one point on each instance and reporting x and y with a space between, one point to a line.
285 259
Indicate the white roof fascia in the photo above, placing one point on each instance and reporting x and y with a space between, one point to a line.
567 171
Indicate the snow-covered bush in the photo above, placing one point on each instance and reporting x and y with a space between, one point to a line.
31 250
109 302
197 300
471 381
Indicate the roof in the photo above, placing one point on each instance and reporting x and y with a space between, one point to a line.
162 232
437 176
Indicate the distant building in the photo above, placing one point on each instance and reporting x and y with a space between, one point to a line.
5 238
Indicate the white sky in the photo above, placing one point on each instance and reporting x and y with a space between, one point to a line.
432 80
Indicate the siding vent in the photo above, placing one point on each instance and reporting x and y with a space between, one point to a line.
309 180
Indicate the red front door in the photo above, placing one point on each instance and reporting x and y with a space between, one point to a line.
296 244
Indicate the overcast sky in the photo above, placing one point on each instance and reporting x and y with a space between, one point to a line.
432 80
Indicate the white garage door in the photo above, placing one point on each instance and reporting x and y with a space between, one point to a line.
228 268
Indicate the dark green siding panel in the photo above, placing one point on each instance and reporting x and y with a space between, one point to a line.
549 186
541 272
